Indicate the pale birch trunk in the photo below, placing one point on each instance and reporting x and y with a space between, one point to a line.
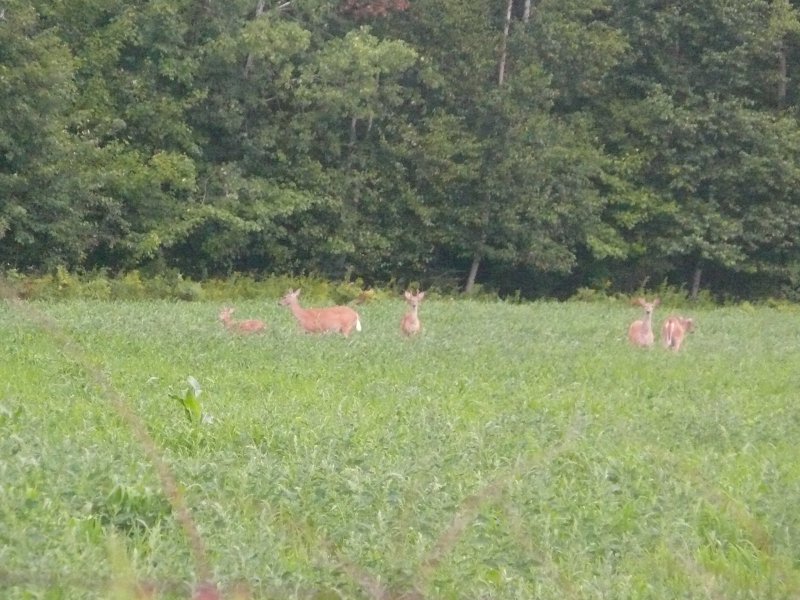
501 71
783 75
473 273
248 64
696 278
501 77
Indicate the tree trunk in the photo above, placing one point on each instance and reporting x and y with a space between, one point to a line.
353 135
501 77
782 76
473 273
248 65
526 15
351 150
696 276
501 70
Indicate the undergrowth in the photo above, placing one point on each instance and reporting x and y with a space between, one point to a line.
172 285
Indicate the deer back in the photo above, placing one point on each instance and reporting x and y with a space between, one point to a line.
250 326
339 319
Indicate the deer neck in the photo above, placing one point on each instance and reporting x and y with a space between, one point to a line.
297 310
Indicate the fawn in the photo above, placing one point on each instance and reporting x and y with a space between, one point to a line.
410 324
248 326
640 333
339 319
674 330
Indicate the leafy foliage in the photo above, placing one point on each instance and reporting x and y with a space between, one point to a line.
573 142
190 400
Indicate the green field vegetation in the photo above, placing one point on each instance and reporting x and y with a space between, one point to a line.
509 451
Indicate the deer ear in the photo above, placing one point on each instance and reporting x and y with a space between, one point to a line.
407 295
421 295
657 301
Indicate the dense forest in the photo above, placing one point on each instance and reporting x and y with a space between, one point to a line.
537 146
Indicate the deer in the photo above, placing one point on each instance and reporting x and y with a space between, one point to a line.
640 333
673 331
248 326
410 324
336 319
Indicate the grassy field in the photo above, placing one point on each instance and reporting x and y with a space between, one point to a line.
510 451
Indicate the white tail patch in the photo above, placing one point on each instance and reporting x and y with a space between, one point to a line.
640 333
337 319
674 330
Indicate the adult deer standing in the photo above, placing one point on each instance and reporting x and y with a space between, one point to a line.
338 319
248 326
640 333
674 330
410 324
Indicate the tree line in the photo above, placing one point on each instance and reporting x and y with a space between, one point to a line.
537 146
